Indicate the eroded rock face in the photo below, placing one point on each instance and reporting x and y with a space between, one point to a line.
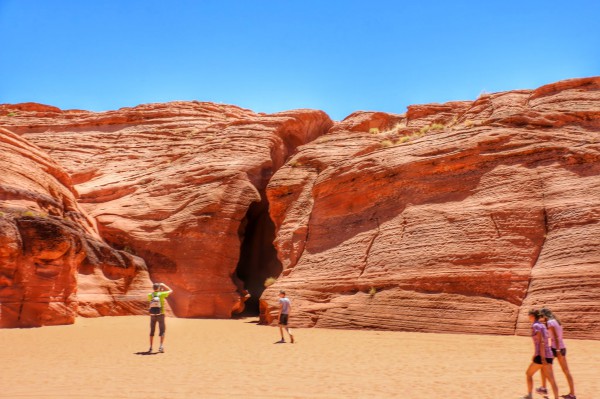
450 218
53 264
174 183
453 217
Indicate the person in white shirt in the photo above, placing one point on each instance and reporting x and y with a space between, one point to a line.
285 307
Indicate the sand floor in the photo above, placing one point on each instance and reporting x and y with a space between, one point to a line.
98 358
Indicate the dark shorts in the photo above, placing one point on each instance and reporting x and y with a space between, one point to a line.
160 319
283 319
538 360
155 311
563 351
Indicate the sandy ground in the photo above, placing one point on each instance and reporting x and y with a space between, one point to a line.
99 358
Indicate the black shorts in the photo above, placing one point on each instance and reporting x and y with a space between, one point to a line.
283 319
538 360
563 351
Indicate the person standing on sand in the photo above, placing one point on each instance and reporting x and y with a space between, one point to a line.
559 350
157 312
542 358
285 308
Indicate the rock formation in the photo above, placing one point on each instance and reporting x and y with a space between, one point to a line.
53 264
175 183
453 217
450 218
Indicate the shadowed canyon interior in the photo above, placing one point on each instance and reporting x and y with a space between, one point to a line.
258 256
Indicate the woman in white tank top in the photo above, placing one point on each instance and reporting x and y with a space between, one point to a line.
559 350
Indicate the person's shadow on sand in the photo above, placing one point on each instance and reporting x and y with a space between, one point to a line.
145 353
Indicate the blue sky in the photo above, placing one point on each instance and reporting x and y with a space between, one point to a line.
338 56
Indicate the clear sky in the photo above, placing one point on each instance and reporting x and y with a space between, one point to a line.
334 55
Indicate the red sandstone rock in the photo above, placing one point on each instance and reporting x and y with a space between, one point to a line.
53 264
454 218
175 183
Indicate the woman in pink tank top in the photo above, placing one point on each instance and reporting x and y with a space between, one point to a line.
559 351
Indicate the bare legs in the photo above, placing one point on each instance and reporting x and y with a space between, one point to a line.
549 374
288 330
162 340
531 370
546 372
562 360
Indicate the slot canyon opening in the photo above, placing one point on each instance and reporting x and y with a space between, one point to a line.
258 256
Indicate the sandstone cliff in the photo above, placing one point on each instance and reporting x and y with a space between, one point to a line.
456 217
452 217
177 184
53 264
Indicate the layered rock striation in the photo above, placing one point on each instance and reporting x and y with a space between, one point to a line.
174 184
53 263
456 217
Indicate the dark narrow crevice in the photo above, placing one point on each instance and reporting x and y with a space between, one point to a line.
536 258
258 257
368 251
533 265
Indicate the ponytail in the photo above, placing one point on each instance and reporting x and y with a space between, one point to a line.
547 313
